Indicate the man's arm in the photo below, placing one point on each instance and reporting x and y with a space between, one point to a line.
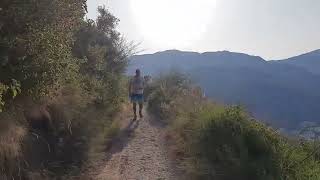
143 83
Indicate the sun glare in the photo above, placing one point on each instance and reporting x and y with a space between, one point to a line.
172 23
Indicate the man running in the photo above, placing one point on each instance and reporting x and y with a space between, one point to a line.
136 87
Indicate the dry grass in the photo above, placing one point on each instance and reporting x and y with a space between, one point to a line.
102 143
80 130
11 138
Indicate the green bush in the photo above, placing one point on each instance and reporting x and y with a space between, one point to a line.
165 92
217 142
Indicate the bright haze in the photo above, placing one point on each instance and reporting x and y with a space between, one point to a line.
272 29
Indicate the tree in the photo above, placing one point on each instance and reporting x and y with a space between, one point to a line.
105 53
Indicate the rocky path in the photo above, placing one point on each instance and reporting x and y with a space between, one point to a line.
138 153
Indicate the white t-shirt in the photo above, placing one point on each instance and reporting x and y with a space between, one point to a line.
137 85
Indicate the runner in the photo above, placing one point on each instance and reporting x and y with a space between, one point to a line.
136 88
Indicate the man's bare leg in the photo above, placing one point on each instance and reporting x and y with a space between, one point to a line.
134 107
140 110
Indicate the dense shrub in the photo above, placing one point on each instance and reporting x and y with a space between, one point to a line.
217 142
166 92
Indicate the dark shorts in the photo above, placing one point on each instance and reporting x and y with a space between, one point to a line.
137 98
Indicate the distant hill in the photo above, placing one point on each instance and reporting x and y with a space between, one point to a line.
309 61
284 93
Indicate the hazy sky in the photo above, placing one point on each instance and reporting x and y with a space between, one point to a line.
272 29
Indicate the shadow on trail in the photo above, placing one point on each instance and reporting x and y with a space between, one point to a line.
123 138
156 121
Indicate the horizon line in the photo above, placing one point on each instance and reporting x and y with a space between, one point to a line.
203 52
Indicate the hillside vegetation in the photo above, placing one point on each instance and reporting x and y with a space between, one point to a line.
60 86
212 141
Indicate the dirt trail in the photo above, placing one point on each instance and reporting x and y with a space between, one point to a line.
139 153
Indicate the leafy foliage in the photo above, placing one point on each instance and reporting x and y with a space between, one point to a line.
35 44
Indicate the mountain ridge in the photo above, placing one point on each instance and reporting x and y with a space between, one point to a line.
313 52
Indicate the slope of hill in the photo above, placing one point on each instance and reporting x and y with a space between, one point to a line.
309 61
283 93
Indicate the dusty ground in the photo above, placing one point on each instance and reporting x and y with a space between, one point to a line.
138 153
